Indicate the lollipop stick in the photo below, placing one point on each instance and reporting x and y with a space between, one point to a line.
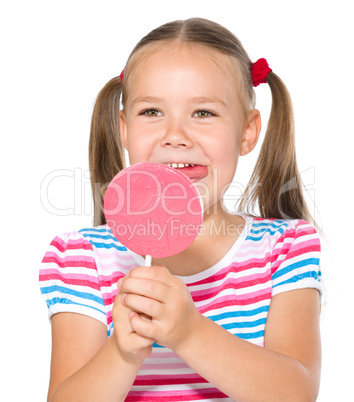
148 260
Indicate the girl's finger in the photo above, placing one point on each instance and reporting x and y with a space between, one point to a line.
141 304
141 341
144 287
141 326
155 273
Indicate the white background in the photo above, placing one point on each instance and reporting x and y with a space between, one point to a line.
56 56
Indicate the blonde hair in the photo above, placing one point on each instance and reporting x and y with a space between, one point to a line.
275 185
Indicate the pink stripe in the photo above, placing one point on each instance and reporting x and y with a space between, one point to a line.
237 267
308 246
169 379
109 298
217 277
107 281
290 251
294 236
301 250
192 395
305 229
71 244
162 366
232 283
222 302
280 252
237 300
234 268
49 254
70 280
55 272
109 317
71 261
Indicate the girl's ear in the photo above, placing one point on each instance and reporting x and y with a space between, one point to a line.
123 129
251 132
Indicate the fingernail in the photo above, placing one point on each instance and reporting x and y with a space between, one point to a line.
119 283
123 297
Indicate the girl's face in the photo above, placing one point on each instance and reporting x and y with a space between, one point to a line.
182 108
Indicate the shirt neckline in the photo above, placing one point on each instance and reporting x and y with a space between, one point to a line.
223 262
226 259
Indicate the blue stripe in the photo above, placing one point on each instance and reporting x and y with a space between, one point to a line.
63 300
270 227
268 230
261 233
155 345
246 324
296 265
94 236
252 335
108 246
82 295
115 243
296 278
265 225
274 224
233 314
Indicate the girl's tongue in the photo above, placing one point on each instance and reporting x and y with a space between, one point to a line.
196 172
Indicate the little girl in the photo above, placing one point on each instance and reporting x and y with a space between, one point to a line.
236 315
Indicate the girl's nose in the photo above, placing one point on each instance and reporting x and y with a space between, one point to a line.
176 137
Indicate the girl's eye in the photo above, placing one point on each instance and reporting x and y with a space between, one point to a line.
151 113
202 114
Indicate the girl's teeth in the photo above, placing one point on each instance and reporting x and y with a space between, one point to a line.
178 165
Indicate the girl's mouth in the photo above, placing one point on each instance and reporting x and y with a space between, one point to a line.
192 171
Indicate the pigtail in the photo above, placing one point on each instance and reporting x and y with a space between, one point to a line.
106 152
275 183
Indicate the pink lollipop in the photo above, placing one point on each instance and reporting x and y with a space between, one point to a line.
153 210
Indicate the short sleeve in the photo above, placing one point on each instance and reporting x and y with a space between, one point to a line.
69 280
296 258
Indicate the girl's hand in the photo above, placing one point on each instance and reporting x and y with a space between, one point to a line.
155 292
133 347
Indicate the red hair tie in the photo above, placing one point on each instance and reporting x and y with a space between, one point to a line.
260 69
121 75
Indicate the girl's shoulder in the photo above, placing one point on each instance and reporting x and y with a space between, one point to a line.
80 270
279 229
293 250
101 237
95 244
89 238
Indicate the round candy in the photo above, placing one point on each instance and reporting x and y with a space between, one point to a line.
153 209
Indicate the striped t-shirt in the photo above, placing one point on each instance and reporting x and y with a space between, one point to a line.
80 270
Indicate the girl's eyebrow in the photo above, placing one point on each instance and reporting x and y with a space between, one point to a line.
146 99
197 99
204 99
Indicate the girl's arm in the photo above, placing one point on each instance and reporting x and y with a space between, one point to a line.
85 365
88 366
287 368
